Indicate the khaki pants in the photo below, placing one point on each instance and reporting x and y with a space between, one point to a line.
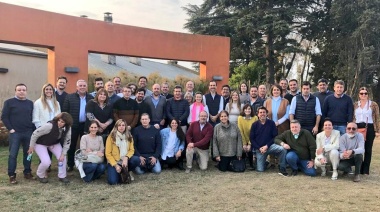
202 157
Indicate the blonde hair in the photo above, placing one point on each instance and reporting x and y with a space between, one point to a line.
53 98
127 133
231 101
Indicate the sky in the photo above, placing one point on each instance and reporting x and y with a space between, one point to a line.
157 14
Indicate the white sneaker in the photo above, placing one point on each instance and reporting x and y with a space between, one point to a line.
131 174
334 175
188 170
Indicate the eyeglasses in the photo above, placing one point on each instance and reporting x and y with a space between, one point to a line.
363 93
351 128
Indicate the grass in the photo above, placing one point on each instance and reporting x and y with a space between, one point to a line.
212 190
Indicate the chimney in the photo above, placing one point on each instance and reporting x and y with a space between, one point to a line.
110 59
108 17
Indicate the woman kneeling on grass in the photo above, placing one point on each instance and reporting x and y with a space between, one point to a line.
50 136
173 143
227 142
119 152
92 144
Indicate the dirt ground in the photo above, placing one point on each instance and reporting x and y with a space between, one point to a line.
173 190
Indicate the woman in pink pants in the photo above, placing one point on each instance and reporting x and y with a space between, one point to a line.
55 137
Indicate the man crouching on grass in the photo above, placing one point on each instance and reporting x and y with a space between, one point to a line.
262 137
301 147
351 149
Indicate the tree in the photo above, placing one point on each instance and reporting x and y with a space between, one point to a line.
351 45
258 29
252 73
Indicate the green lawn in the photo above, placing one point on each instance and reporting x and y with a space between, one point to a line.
202 191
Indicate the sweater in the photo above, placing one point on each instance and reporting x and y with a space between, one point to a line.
72 106
127 110
278 110
304 146
262 134
46 129
92 143
113 152
94 111
322 96
60 98
177 109
339 110
356 143
233 112
227 140
200 138
245 128
17 115
143 108
147 141
42 115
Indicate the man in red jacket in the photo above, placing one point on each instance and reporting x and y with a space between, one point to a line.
198 139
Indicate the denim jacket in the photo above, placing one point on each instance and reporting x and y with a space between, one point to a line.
179 145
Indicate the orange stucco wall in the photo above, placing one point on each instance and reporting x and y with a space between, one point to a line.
69 40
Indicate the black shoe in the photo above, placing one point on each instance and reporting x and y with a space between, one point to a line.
294 173
283 172
70 169
64 180
180 166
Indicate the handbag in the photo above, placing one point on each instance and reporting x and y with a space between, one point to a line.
124 175
363 131
89 158
237 165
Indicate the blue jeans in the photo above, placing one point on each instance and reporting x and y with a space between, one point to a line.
142 169
340 128
93 171
114 177
15 140
274 149
294 162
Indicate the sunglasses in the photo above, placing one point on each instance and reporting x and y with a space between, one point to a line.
351 128
363 93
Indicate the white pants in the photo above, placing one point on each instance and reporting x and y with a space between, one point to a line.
331 157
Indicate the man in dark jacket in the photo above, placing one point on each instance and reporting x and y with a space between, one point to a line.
178 108
75 105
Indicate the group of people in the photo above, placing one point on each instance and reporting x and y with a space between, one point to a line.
132 129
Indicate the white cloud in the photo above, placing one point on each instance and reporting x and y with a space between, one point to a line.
156 14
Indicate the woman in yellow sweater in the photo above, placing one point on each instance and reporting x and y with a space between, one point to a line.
245 121
119 152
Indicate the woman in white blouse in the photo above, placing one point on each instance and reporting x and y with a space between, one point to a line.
234 107
327 148
46 107
366 115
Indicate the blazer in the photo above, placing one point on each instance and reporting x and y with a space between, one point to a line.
334 140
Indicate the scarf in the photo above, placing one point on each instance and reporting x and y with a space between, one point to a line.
122 144
194 115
